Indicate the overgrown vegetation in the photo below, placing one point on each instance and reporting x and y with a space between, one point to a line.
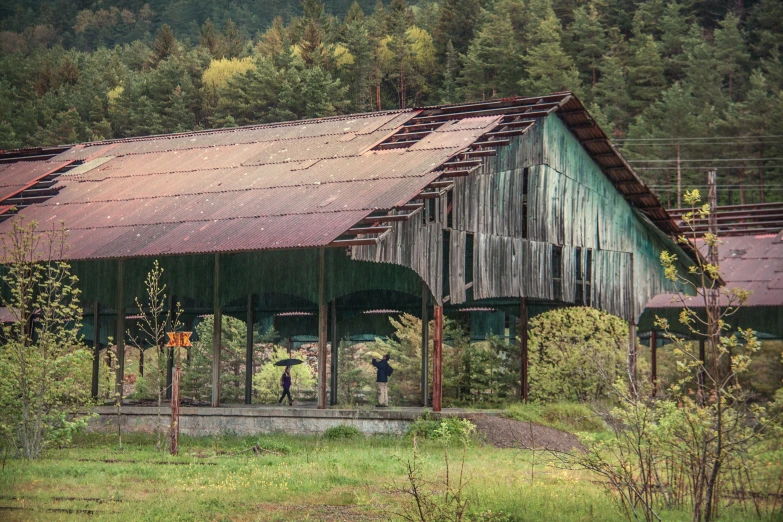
695 444
44 366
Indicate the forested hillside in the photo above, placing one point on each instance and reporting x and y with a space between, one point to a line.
681 86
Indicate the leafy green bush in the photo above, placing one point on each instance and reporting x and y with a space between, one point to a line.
566 416
445 430
342 432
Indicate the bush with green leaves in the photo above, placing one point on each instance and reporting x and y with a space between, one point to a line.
342 432
444 430
576 354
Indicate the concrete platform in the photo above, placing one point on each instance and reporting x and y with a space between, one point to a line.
243 419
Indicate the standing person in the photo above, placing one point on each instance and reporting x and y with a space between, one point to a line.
285 382
382 378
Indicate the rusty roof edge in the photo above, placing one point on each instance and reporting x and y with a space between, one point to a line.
675 229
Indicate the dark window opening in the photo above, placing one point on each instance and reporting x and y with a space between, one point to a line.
450 209
468 258
588 277
579 291
446 284
432 211
557 272
525 180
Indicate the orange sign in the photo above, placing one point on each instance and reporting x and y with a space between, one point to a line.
181 339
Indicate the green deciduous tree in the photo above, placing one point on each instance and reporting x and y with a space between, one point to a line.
44 367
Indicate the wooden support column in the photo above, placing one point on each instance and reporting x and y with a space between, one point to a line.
217 330
654 361
169 349
141 361
632 357
249 352
524 379
322 334
425 345
96 348
437 351
335 344
120 340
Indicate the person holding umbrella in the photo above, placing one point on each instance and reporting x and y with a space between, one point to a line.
285 382
382 379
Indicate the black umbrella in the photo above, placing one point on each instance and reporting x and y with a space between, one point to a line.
288 362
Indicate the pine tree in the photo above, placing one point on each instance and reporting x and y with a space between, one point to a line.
674 33
645 73
456 23
587 42
233 41
448 91
164 46
493 64
547 67
209 38
732 54
611 94
399 19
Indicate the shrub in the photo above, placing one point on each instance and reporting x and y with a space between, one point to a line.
443 430
342 432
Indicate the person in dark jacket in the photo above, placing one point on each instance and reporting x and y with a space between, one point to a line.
382 379
285 382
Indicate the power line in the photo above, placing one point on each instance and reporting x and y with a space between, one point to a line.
689 168
674 138
704 160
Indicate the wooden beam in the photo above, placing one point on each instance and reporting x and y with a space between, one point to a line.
425 356
322 318
96 348
462 163
396 218
120 376
354 242
481 153
365 230
249 348
437 363
492 143
335 343
217 330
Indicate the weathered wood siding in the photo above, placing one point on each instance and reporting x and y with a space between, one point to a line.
570 203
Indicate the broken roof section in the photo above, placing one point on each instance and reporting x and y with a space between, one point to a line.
290 185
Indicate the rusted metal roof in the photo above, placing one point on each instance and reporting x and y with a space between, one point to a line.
15 177
753 263
286 185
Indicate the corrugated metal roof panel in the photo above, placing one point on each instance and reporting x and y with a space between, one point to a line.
14 177
753 263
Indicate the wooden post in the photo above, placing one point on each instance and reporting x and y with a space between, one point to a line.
96 348
141 361
425 345
654 362
524 382
120 375
170 349
217 327
175 404
249 352
335 344
437 349
322 335
632 357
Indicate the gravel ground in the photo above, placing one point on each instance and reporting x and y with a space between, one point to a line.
508 433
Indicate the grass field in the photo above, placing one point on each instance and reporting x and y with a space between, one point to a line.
294 478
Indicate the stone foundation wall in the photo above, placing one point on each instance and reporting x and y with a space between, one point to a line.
254 420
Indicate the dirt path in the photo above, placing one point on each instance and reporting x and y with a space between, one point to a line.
507 433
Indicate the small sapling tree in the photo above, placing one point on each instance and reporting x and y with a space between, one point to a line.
156 320
44 367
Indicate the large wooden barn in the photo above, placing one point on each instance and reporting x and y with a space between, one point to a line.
515 205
